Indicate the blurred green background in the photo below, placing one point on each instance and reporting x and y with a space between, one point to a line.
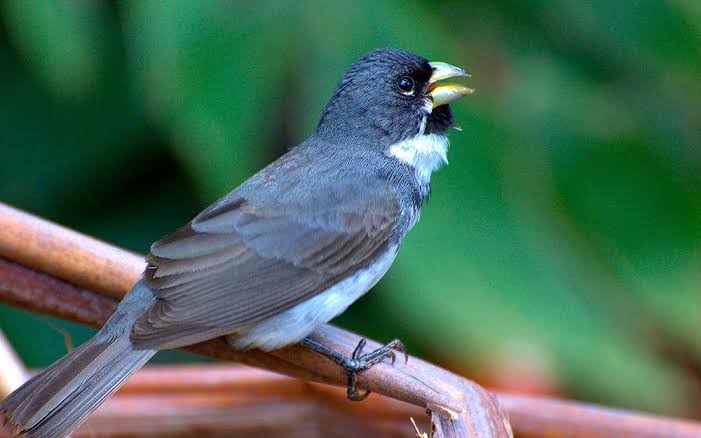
560 252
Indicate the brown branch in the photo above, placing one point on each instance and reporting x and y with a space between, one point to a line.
232 400
249 400
66 254
536 417
459 406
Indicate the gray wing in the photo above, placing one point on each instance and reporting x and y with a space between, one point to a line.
238 262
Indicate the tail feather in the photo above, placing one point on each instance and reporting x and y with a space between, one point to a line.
58 399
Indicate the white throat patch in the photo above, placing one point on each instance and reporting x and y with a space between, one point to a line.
425 153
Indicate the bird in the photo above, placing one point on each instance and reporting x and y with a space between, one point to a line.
286 251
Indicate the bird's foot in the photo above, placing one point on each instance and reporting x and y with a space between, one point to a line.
358 361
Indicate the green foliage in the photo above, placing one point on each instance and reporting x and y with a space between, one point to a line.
564 239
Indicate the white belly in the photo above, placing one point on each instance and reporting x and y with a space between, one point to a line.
294 324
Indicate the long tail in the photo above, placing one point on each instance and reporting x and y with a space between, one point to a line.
57 400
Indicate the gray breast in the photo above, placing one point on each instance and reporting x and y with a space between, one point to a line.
296 323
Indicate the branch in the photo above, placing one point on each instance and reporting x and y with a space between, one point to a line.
459 407
179 401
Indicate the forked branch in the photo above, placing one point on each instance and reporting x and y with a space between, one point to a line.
53 270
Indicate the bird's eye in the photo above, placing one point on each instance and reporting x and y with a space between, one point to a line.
406 85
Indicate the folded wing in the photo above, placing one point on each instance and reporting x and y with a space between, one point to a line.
238 262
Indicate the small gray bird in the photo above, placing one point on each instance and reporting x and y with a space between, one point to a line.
288 250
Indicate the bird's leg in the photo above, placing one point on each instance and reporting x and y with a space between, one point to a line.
358 361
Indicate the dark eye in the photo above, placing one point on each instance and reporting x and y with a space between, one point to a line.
406 85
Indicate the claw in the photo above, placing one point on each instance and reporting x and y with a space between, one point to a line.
354 395
352 392
392 356
358 361
399 346
359 349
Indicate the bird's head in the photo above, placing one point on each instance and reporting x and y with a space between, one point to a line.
389 95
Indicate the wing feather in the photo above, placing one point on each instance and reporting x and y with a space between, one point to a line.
239 261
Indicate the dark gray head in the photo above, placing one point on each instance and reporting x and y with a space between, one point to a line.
390 95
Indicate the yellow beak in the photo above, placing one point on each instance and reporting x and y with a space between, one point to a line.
443 94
